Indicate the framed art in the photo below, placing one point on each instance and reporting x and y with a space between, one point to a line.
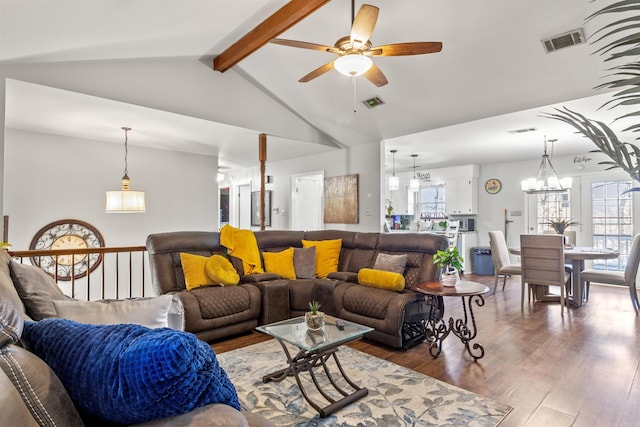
341 199
255 208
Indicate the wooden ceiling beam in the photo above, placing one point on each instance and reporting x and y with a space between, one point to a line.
286 17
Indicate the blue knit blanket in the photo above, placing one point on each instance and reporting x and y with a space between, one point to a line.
129 374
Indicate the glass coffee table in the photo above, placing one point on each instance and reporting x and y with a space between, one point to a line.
315 348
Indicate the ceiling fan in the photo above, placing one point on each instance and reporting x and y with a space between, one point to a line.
355 50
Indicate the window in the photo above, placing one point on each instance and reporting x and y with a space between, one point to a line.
552 206
612 221
432 202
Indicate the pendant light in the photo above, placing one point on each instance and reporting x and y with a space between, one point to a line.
414 183
546 181
125 200
394 181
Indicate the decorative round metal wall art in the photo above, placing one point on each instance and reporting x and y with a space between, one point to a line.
67 234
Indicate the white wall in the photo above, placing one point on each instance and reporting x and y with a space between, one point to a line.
363 160
48 178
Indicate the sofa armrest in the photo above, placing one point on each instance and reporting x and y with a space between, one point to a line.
255 278
344 276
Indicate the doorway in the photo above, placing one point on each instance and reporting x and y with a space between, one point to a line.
306 202
224 206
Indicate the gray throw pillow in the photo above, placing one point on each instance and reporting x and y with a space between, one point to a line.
150 312
304 262
37 290
394 263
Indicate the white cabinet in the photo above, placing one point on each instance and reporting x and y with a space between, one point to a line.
461 196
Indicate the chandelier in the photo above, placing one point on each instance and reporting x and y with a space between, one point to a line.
125 200
546 181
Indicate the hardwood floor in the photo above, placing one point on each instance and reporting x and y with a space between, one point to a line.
582 369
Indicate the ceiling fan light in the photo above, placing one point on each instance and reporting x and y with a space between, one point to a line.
353 64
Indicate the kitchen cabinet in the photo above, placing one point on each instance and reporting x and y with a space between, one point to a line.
461 196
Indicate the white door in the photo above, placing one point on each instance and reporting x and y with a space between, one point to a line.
244 206
306 202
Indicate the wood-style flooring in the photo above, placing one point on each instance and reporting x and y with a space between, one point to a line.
582 369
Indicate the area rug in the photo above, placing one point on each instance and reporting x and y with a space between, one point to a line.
397 396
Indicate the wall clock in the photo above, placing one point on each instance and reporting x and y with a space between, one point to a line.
67 234
492 186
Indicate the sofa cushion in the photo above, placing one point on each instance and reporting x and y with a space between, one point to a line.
222 301
368 302
327 255
150 312
219 270
381 279
11 311
37 290
36 387
388 262
280 263
304 262
130 374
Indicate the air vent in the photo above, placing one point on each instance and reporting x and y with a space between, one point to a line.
523 130
373 102
571 38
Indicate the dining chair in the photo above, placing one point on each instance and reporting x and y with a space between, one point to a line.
624 278
542 264
502 265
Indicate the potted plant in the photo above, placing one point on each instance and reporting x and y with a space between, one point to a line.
314 318
450 263
560 225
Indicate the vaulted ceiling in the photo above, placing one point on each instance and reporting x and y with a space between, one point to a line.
492 64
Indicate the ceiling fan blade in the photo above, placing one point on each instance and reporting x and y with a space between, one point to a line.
363 24
402 49
317 72
302 45
376 76
283 19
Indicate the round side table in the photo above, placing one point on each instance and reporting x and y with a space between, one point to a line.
465 328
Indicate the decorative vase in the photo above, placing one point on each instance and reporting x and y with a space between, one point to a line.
314 321
449 279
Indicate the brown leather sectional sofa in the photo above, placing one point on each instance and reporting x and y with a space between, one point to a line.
214 312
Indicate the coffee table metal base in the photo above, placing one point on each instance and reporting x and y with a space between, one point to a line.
306 361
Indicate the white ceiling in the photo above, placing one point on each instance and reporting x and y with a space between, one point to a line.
452 107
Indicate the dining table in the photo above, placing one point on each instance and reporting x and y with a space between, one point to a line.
576 256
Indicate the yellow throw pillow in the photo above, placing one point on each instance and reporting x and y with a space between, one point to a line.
381 279
220 271
193 267
327 255
280 263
